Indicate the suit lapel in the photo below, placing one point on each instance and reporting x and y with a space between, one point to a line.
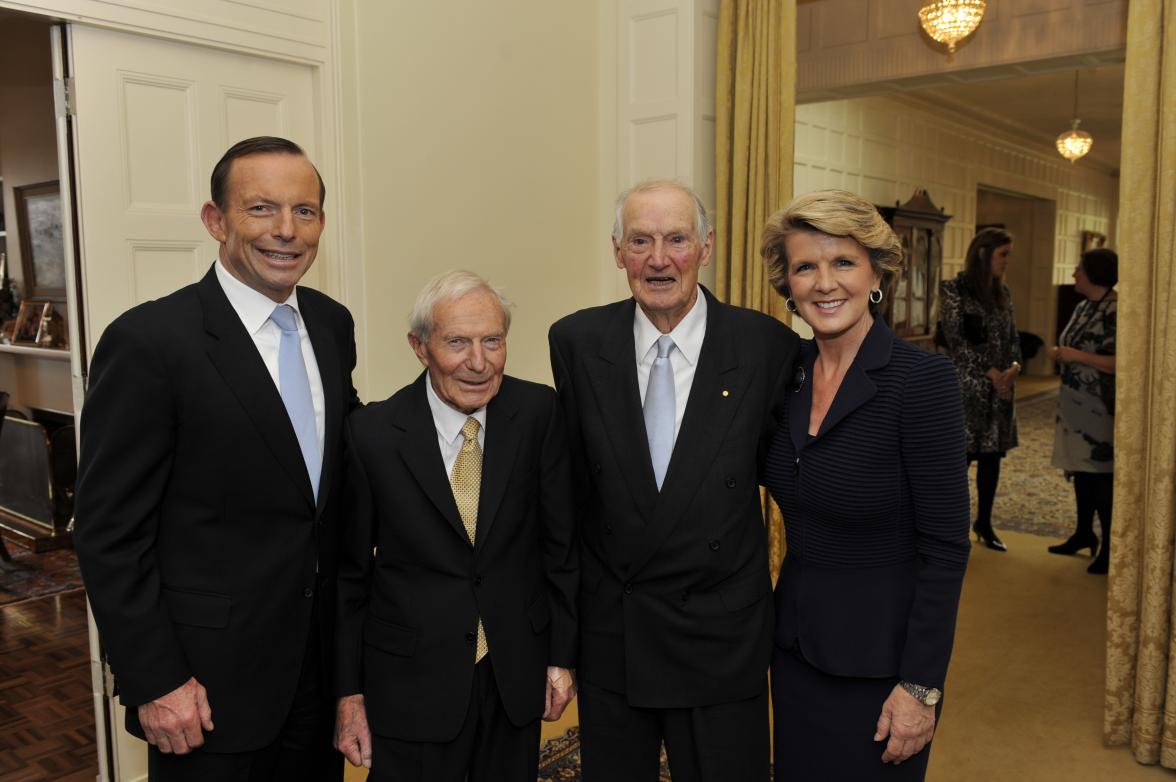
327 358
422 454
801 404
614 382
715 396
235 357
502 443
857 388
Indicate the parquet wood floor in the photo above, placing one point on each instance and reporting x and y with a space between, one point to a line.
46 708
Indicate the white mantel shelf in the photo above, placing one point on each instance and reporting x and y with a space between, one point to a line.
53 354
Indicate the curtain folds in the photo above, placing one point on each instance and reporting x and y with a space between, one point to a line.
1140 707
754 127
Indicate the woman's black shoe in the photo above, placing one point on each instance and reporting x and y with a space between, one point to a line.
1075 544
988 537
1100 564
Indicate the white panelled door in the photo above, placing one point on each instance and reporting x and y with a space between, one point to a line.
153 117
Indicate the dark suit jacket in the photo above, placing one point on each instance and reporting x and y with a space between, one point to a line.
876 511
408 613
674 608
196 526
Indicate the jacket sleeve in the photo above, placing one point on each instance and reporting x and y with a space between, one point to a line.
934 460
127 447
560 539
357 539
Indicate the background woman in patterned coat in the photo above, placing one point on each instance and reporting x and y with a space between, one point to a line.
977 326
1085 434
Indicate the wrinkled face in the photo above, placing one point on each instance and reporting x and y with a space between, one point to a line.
661 254
1000 259
466 353
269 229
830 278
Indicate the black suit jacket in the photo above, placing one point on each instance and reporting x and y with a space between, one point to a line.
674 608
408 612
876 511
196 526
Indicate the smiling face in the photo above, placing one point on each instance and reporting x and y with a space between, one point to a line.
999 262
466 351
830 278
661 253
270 227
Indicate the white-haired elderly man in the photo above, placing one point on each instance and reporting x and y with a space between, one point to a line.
670 399
459 567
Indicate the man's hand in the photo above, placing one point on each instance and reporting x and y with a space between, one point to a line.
561 688
352 736
909 724
173 722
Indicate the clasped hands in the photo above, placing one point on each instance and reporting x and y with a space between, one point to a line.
353 737
908 723
174 723
1003 381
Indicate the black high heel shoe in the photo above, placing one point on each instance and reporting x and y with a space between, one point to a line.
988 536
1101 563
1075 544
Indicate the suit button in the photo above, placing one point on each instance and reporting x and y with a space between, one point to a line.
714 545
628 589
685 596
308 592
471 638
730 482
607 529
596 468
477 581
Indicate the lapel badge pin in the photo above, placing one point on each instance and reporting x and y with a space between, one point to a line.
798 379
726 392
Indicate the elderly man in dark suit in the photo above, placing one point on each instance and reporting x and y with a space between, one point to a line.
211 446
670 398
459 571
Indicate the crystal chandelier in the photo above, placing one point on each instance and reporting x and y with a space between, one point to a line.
951 21
1074 143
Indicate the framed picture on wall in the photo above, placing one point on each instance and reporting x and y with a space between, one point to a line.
1092 240
28 321
42 250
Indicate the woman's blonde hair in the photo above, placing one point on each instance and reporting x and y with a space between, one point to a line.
836 213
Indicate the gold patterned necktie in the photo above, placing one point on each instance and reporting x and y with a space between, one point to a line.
467 484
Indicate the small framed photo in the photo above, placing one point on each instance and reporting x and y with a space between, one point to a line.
42 249
28 321
1092 240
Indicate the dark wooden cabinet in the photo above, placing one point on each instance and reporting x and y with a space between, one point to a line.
909 305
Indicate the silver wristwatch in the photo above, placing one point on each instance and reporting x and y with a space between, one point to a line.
928 696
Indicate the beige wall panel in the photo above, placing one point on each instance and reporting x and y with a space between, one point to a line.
249 114
842 22
158 268
159 152
478 148
655 146
653 42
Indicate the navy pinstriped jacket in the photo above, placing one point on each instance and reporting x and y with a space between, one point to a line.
876 513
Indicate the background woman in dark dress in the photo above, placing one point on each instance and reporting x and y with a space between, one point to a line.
868 467
1084 440
977 326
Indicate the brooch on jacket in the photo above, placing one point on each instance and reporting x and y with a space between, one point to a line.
798 379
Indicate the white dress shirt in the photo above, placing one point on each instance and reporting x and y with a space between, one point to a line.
254 310
449 422
688 336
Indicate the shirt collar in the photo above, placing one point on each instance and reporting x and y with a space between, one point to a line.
688 334
449 420
253 308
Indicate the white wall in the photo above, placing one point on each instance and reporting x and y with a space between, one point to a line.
477 133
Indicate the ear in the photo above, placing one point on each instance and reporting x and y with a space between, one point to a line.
214 221
418 348
707 246
620 257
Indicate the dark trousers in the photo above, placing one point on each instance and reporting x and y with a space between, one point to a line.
726 742
488 748
302 752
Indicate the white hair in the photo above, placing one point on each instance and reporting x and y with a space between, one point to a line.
450 286
701 224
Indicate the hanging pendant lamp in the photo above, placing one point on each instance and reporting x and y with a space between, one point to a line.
1074 143
951 21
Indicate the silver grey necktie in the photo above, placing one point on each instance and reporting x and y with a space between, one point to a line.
660 410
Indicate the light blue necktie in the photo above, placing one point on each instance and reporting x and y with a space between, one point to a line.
660 411
294 386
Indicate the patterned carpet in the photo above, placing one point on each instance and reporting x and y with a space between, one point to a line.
1033 496
31 575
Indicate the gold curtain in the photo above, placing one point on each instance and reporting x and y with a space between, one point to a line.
754 128
1140 707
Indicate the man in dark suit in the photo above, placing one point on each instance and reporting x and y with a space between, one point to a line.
211 449
670 400
458 573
